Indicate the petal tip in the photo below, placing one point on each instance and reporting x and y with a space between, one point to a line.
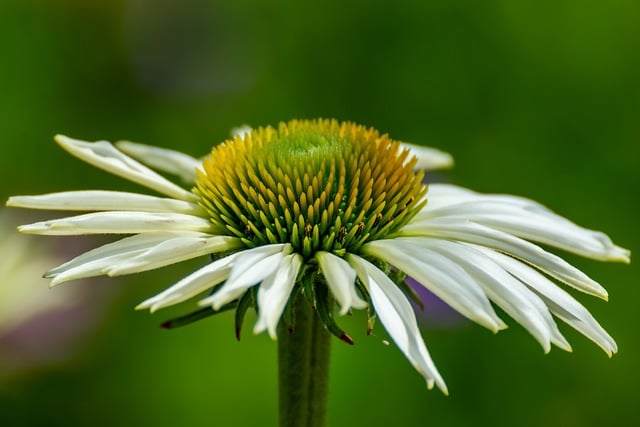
620 254
24 229
61 139
204 302
443 388
142 306
64 141
56 282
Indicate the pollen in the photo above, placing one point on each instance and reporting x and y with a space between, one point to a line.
318 185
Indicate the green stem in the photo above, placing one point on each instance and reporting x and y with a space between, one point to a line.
303 369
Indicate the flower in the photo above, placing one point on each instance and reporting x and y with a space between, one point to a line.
331 209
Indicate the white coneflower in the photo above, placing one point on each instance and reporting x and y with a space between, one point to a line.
335 212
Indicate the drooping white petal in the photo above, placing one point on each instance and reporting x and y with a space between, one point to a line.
561 304
505 290
528 252
445 279
125 246
397 317
104 155
100 200
174 251
537 225
251 267
441 195
97 267
197 282
163 159
429 158
274 292
118 223
140 253
340 279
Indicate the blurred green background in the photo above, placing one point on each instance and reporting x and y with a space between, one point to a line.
540 99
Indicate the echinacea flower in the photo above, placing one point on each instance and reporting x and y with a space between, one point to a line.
335 212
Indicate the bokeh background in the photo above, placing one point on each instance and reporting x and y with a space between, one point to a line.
533 98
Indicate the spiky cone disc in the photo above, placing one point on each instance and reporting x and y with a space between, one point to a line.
319 185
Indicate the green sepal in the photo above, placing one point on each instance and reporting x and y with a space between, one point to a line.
411 293
324 311
247 301
371 320
398 278
308 277
371 313
194 316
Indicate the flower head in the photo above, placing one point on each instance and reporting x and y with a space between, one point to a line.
335 212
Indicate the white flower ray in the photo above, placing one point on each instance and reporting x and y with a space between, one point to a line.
140 253
195 283
105 156
428 158
173 251
396 315
274 293
537 225
448 281
163 159
103 200
126 245
560 303
516 299
441 195
251 267
118 222
340 279
470 232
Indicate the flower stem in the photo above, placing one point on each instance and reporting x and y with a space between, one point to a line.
303 369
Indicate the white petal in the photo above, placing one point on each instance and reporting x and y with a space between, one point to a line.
526 251
251 267
538 225
117 223
195 283
174 251
441 195
559 302
397 317
124 246
274 292
429 158
163 159
442 277
241 131
505 290
105 156
340 279
100 200
93 268
140 253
